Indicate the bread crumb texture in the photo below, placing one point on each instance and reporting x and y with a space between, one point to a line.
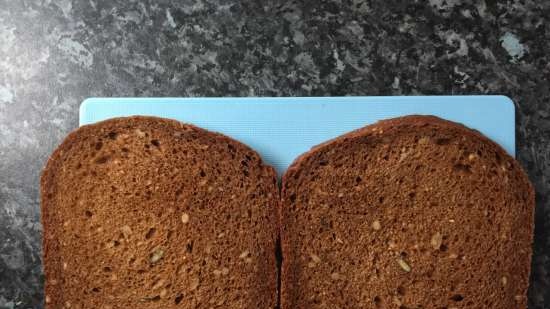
414 212
143 212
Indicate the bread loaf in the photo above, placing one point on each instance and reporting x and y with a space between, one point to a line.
413 212
144 212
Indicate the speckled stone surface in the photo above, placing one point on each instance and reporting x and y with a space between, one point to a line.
54 54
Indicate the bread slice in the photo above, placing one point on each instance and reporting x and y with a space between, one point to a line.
413 212
145 212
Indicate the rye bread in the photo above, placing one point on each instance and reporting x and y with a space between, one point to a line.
413 212
144 212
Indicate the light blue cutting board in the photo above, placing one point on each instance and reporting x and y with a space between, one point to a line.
280 129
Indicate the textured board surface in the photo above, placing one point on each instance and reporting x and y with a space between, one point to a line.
280 129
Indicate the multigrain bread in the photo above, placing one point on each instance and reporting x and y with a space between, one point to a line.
145 212
413 212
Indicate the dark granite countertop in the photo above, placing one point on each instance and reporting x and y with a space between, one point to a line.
55 53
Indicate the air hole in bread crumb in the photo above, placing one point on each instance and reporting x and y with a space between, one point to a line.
88 213
401 290
358 179
96 290
377 301
189 247
442 141
102 160
465 168
178 299
443 248
98 145
107 269
124 149
292 198
112 135
457 297
155 142
150 233
156 298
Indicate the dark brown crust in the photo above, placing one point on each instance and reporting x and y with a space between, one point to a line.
51 224
289 284
411 120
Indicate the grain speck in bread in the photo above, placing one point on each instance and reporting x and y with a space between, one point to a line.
144 212
413 212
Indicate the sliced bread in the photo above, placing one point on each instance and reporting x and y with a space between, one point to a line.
413 212
144 212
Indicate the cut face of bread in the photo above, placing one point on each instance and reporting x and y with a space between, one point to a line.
145 212
414 212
